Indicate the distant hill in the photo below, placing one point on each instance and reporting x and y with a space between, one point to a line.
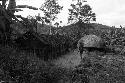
100 26
93 28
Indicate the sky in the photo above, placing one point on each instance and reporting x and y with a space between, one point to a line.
108 12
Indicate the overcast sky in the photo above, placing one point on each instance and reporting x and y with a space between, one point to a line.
108 12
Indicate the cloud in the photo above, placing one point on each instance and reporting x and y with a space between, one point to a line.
112 19
109 12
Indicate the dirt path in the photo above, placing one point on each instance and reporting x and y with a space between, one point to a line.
69 60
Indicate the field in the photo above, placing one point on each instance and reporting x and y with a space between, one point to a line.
22 67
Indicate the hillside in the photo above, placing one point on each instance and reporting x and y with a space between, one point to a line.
73 28
101 26
25 67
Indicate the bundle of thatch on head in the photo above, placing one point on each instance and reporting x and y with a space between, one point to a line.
91 43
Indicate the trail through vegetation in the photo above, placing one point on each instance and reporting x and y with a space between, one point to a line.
69 60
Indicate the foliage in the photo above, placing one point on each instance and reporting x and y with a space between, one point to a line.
18 67
100 69
22 68
45 46
75 32
26 6
9 18
81 15
50 8
80 12
115 38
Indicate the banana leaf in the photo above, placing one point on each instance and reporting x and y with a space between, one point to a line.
26 6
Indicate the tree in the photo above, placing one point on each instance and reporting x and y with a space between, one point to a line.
57 26
8 17
51 8
28 23
4 3
81 13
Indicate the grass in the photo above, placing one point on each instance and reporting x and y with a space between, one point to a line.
20 67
